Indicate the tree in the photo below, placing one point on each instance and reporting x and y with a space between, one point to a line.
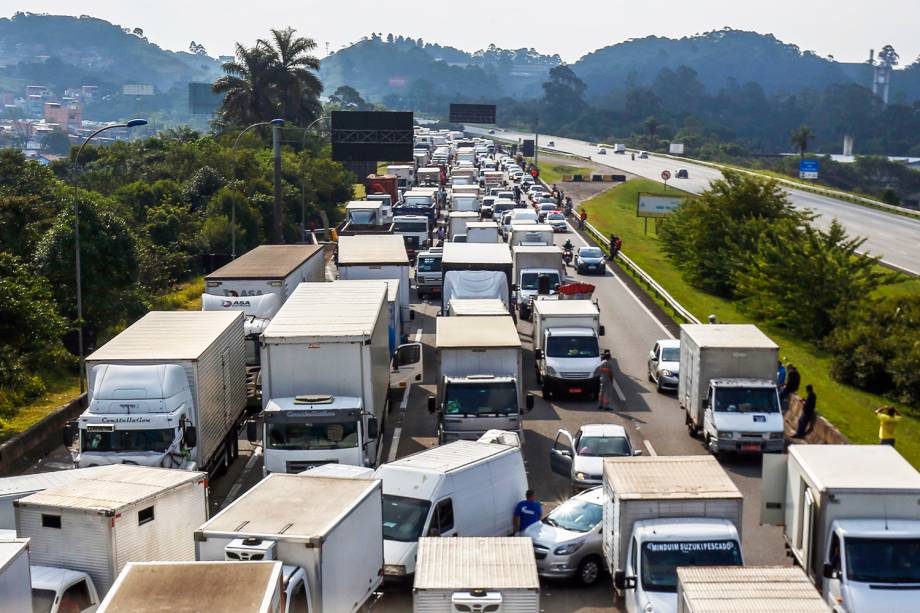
651 126
801 137
138 32
294 71
197 49
564 93
888 56
348 98
56 142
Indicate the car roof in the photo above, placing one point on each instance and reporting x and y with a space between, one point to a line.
603 430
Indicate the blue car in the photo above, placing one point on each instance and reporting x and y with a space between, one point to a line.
590 260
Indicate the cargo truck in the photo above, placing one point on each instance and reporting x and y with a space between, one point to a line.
458 221
482 232
480 378
383 184
15 577
494 178
779 589
428 275
169 391
415 232
566 346
537 270
476 270
430 176
476 307
20 486
328 532
365 217
727 388
663 512
851 520
405 174
326 377
530 235
376 257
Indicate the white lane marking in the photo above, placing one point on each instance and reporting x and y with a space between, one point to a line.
648 445
619 392
418 336
405 399
250 463
394 444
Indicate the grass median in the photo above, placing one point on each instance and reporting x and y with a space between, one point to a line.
848 408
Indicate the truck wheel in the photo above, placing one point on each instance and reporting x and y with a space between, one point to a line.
589 571
690 428
539 377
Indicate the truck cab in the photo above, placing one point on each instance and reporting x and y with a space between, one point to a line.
428 276
659 546
414 230
477 403
61 590
743 416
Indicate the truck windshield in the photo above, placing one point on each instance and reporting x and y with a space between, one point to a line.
42 600
572 347
746 400
429 264
575 515
404 518
361 217
661 559
157 440
411 226
881 560
328 435
481 398
531 280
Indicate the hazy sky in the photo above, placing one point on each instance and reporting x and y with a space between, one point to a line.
846 29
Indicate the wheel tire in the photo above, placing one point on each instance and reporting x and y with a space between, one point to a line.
539 376
690 428
589 571
658 387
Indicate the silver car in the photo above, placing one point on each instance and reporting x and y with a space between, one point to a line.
664 364
568 542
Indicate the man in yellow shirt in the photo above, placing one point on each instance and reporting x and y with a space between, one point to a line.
888 418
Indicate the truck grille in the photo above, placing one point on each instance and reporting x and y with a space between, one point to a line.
755 435
575 375
298 466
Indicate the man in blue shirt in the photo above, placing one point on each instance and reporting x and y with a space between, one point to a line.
780 375
527 512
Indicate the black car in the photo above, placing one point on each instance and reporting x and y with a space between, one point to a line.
682 174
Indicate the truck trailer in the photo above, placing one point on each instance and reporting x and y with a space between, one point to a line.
538 269
15 575
376 257
721 589
476 270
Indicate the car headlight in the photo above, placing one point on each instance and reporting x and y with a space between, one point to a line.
726 435
550 371
581 476
568 549
648 608
666 373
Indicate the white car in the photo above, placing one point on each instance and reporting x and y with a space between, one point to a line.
602 152
581 458
664 364
643 155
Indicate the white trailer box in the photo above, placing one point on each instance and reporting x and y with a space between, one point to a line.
467 307
482 232
15 576
379 256
20 486
476 574
115 515
727 386
167 375
566 343
458 221
531 235
189 587
330 529
727 589
475 270
394 315
267 269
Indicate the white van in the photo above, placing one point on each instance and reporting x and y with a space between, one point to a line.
467 488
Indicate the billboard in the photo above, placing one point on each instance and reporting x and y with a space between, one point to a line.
527 148
472 113
656 205
808 169
202 100
676 149
361 136
137 89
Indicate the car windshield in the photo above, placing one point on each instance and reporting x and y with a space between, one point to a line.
556 217
329 435
531 280
670 354
883 560
42 600
411 226
746 400
602 446
572 347
156 440
429 264
481 398
661 559
404 518
590 252
575 515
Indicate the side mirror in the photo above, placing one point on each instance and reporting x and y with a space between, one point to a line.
252 432
651 356
190 436
528 402
432 404
619 579
706 403
538 354
828 571
373 428
601 331
411 315
637 452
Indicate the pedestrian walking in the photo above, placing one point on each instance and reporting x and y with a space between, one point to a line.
808 412
605 392
582 219
528 511
888 418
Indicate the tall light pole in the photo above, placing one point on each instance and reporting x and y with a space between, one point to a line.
276 124
134 123
303 180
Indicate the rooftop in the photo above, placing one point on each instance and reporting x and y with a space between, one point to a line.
669 477
873 467
489 331
266 262
740 336
335 310
373 249
476 563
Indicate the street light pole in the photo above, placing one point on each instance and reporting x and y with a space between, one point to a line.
303 181
275 123
277 228
134 123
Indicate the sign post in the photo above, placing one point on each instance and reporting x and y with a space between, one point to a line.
665 175
808 169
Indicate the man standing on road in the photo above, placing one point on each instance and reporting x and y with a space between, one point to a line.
582 219
527 512
808 412
605 393
780 375
888 418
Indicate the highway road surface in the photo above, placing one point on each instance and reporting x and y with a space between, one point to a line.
894 237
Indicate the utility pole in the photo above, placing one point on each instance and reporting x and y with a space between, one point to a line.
536 142
277 233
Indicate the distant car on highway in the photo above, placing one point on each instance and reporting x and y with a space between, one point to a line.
588 260
664 364
557 220
602 152
682 174
643 155
551 143
491 131
581 458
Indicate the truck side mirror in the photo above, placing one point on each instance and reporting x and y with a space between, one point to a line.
601 331
619 579
637 452
538 354
411 315
828 571
190 436
432 404
373 428
706 403
528 402
252 432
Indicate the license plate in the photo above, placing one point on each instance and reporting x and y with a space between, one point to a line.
750 447
574 390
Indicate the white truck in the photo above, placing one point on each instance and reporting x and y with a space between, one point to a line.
727 388
476 270
115 515
537 270
566 346
428 276
494 178
20 486
476 574
169 390
458 221
243 587
376 257
707 589
258 282
473 307
619 148
530 234
429 176
405 174
328 532
480 378
851 517
326 377
415 232
15 577
663 512
482 232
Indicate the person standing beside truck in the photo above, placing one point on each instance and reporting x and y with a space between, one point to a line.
808 412
604 400
888 418
582 218
793 380
780 375
527 512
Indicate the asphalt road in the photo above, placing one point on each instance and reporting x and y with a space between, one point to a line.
892 236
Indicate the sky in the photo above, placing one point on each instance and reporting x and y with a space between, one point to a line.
846 29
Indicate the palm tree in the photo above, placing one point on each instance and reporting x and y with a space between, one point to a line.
294 74
801 137
246 89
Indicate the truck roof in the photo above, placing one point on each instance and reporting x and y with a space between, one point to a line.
10 549
724 589
312 507
344 310
36 482
478 306
392 285
373 249
741 336
112 488
184 587
548 249
168 335
536 227
446 458
477 253
663 477
566 307
856 467
476 563
489 331
364 204
266 262
463 214
482 224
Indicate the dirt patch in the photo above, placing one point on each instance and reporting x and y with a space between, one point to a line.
579 190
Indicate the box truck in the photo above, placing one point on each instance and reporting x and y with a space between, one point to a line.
405 174
169 390
328 532
428 276
415 232
851 520
480 377
327 374
15 577
530 235
394 314
467 488
662 512
376 257
383 184
115 515
473 307
778 589
727 388
20 486
476 270
429 176
364 217
494 178
457 223
566 346
482 232
186 587
476 574
538 269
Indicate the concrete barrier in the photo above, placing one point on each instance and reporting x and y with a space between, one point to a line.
822 432
28 447
594 178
